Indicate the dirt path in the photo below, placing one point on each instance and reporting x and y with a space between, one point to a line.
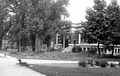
8 67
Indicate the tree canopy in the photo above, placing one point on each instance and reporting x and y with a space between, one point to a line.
102 25
33 19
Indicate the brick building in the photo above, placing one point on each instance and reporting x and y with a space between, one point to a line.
74 37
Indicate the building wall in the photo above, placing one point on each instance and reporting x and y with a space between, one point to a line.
74 36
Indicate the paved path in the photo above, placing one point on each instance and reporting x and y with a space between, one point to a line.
8 67
36 61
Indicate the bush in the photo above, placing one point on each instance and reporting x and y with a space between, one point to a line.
90 62
14 52
97 63
59 49
40 51
103 64
23 49
93 51
76 49
82 63
50 49
112 65
119 64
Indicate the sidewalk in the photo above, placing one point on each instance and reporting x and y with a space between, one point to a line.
36 61
8 67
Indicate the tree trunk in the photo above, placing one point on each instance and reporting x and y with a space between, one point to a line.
33 38
99 49
23 43
0 44
18 45
112 49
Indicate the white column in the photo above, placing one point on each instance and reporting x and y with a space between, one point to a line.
79 38
117 51
57 38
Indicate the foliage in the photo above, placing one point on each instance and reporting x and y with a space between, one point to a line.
102 25
103 63
93 30
92 50
119 64
50 49
90 62
112 65
76 49
82 63
97 63
4 21
40 18
60 49
40 51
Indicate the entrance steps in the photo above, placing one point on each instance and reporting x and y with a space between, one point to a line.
68 49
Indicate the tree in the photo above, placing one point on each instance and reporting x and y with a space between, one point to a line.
93 30
112 25
19 30
103 24
51 15
4 21
37 18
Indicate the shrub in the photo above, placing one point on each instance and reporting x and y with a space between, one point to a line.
50 49
82 63
40 51
97 63
76 49
112 65
59 49
93 51
103 64
119 64
14 52
23 49
90 62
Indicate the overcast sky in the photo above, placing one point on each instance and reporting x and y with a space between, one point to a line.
77 9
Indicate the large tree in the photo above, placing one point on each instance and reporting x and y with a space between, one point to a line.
112 30
19 31
103 23
37 19
49 15
93 30
4 21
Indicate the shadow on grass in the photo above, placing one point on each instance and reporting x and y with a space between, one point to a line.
62 71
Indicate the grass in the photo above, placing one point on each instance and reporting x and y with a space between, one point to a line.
63 71
48 55
57 55
66 69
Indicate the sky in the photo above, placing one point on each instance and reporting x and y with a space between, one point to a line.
77 9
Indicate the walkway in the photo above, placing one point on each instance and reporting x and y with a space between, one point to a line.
8 67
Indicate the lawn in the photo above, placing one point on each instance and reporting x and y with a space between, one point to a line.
49 55
57 55
66 71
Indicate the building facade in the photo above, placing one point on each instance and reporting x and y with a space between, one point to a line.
74 37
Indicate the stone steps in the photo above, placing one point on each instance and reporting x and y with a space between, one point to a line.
68 49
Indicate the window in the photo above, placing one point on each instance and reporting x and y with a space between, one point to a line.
115 50
84 48
88 49
118 50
